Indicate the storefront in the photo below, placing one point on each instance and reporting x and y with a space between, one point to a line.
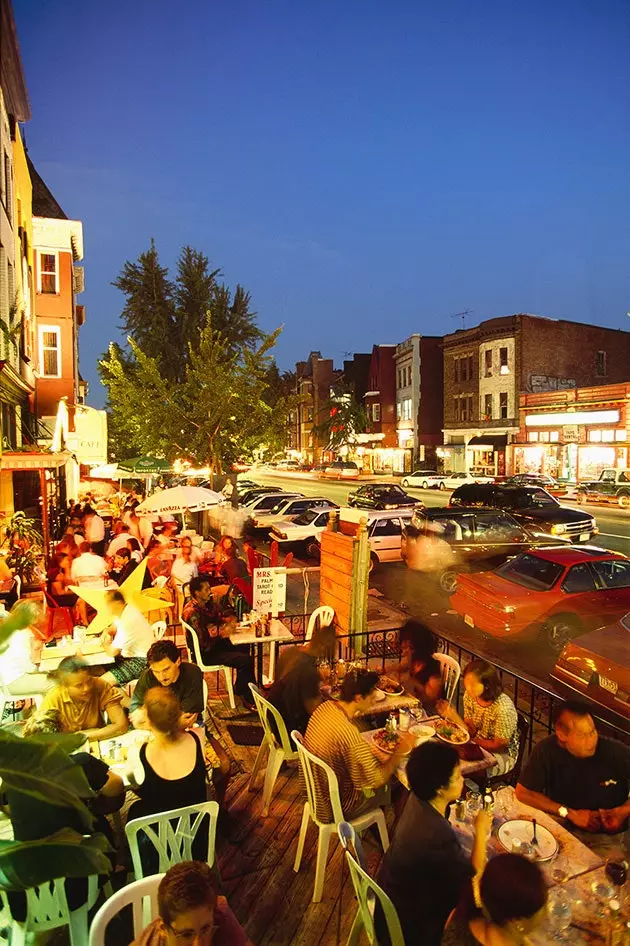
487 454
574 436
35 483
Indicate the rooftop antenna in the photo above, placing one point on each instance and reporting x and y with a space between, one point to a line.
462 316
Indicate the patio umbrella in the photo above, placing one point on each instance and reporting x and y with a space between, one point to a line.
144 466
179 499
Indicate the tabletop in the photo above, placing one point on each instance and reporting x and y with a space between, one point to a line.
122 753
90 652
279 632
589 920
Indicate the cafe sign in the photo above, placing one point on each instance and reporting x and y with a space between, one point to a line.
270 590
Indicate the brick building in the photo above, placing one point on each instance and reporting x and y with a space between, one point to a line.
315 380
488 367
377 445
419 380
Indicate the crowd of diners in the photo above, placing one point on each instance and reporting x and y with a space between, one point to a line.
441 894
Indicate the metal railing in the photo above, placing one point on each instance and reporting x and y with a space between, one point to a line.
380 650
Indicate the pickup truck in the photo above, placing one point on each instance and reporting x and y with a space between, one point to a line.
613 486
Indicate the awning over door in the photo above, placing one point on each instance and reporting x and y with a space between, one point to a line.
494 442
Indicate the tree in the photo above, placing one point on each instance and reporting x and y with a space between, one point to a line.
344 419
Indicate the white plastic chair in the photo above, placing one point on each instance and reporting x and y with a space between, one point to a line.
205 668
47 909
327 828
141 894
277 753
367 893
159 630
451 672
160 581
173 842
324 614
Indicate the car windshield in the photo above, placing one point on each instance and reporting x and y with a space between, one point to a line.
278 506
535 499
531 572
307 517
392 490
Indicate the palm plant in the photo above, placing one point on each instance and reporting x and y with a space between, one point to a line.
25 546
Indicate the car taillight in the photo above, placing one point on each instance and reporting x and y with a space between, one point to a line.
579 672
282 535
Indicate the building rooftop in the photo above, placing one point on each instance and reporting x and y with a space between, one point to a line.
45 204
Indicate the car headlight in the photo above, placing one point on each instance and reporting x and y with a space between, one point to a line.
558 529
391 506
282 535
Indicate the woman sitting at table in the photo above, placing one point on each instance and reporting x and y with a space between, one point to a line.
417 645
296 692
489 715
59 580
83 700
425 683
424 870
503 906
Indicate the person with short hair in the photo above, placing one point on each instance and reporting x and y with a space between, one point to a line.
190 911
184 567
83 700
94 530
296 691
88 568
579 775
332 735
424 869
202 615
123 566
504 905
128 643
489 715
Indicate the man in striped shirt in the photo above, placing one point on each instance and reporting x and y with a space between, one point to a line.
332 736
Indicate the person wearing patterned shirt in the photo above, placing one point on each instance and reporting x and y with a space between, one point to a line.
490 715
332 736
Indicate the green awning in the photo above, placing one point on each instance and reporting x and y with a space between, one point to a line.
144 466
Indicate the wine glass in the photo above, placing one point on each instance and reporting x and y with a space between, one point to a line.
617 870
604 892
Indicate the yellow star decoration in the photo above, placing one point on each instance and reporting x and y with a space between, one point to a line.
146 600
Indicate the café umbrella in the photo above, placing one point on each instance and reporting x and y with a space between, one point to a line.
178 499
144 466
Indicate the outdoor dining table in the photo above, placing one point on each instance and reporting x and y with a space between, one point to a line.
122 753
90 651
278 632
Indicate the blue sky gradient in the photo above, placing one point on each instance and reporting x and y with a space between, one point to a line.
365 169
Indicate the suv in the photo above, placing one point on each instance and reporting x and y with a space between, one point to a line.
532 507
340 468
613 486
476 540
382 496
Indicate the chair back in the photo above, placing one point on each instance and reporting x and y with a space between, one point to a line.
351 841
309 764
141 895
323 614
172 834
159 630
451 672
195 657
47 908
265 710
368 894
512 777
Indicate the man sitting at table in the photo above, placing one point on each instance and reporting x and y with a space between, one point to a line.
166 668
213 632
128 642
83 701
332 735
578 775
123 566
88 568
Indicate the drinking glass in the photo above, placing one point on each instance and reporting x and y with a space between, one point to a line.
473 803
504 800
604 892
560 914
617 871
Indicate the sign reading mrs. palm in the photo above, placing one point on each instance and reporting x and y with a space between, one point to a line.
270 590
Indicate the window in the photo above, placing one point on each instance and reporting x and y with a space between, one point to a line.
608 436
503 361
470 367
487 407
600 364
456 404
456 370
579 578
488 363
48 272
614 574
503 404
309 415
595 436
464 369
533 436
386 527
7 196
398 410
50 351
554 436
376 412
470 406
620 435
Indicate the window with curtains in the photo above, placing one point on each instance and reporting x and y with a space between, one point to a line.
50 351
48 272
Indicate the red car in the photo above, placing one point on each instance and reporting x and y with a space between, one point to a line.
560 592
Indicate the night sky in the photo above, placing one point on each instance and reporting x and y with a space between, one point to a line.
366 169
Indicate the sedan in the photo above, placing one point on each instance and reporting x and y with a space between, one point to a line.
421 478
597 665
306 528
381 496
555 593
289 508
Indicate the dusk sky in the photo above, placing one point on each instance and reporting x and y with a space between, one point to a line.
365 169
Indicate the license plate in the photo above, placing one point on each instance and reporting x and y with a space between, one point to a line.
585 536
607 684
468 620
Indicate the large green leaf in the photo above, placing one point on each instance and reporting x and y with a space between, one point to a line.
40 766
64 854
23 615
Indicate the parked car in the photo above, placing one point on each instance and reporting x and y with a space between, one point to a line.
288 508
533 507
453 480
555 593
385 532
381 496
478 540
306 528
249 495
341 468
597 665
293 465
540 479
613 486
419 478
267 501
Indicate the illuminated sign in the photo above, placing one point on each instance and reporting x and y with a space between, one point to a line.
572 417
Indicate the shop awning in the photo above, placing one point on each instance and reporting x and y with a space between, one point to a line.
488 442
33 461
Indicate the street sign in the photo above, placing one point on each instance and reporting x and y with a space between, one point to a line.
270 590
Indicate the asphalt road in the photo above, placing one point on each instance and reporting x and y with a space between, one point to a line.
419 594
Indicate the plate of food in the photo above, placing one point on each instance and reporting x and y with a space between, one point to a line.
521 831
421 733
386 741
390 687
451 733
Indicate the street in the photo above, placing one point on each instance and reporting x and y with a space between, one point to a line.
419 594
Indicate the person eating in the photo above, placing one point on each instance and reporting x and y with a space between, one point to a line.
296 692
82 701
128 642
579 775
333 736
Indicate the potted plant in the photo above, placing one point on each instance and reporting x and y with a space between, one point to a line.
25 547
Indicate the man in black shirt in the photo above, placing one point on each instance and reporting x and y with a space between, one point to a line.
166 668
578 775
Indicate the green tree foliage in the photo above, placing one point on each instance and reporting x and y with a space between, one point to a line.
344 418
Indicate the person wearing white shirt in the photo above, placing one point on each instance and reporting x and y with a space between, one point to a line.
17 669
88 568
118 542
184 566
94 530
128 642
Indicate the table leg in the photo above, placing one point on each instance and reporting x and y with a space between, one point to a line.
273 650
